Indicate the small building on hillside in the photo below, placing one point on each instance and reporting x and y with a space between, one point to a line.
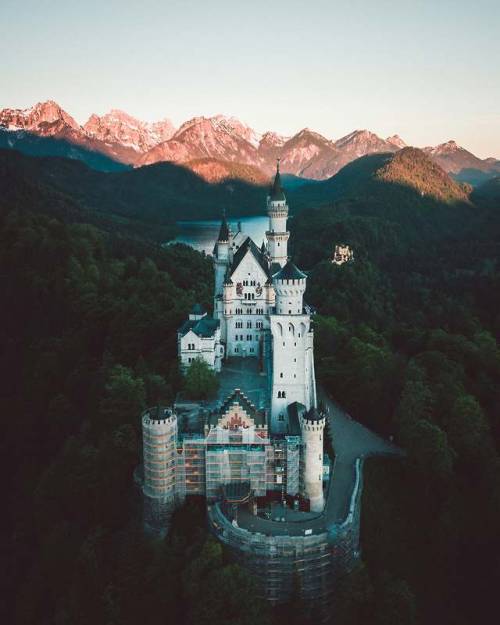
342 254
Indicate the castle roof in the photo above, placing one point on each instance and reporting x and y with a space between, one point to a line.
204 327
238 397
313 415
289 272
224 230
294 410
247 245
276 193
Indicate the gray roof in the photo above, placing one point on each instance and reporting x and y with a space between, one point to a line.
224 230
204 327
276 193
313 415
248 244
289 272
294 410
238 397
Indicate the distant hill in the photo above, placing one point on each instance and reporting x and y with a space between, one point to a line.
488 193
215 170
409 169
157 194
34 145
462 164
381 201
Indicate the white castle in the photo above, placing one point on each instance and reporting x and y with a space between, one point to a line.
272 444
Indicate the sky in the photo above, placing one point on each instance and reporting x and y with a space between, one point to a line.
426 70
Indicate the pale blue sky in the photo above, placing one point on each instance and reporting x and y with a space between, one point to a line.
427 70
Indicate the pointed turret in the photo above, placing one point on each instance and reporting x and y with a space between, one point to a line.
276 193
224 230
277 209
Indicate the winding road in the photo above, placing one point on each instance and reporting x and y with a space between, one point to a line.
350 440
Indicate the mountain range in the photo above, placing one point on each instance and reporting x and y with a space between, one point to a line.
216 147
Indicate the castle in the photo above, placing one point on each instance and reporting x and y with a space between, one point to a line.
256 452
275 446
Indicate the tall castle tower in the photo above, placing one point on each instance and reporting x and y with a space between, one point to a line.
293 378
277 210
312 425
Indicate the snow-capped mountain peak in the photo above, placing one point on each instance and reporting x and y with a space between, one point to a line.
397 141
44 117
121 128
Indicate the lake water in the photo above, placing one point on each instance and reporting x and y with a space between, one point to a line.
201 235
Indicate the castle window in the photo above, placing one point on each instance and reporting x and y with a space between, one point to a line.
289 312
249 324
258 324
251 350
249 337
281 375
281 417
249 311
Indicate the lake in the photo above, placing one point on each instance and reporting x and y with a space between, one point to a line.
201 235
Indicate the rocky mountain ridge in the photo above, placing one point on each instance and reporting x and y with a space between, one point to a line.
307 154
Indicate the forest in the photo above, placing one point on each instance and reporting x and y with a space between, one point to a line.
406 341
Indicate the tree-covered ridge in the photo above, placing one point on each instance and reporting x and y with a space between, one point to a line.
407 341
404 181
88 341
412 168
150 197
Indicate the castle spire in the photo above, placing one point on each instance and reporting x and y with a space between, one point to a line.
277 194
224 228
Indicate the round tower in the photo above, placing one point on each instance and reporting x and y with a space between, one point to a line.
159 436
289 287
277 210
312 425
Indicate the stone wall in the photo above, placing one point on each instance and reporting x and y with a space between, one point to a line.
316 560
